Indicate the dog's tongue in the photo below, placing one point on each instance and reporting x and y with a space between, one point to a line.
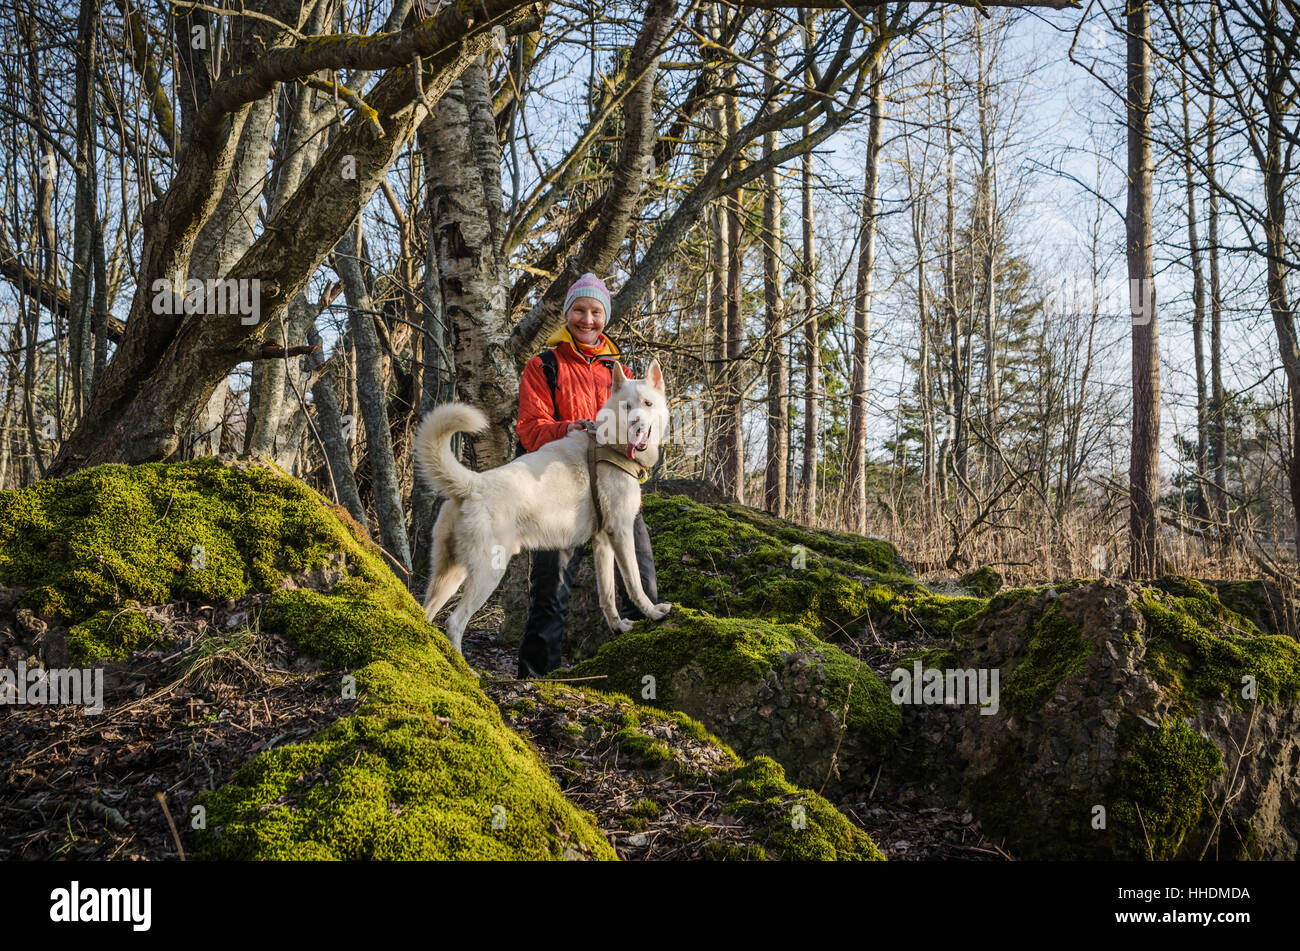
639 444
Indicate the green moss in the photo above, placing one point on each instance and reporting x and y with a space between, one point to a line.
717 852
1203 604
733 561
521 707
197 531
736 652
872 554
346 628
789 822
647 809
794 822
907 614
112 636
1054 649
931 658
982 582
1159 787
424 767
1198 649
644 749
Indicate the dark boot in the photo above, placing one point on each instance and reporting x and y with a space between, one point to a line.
549 584
645 561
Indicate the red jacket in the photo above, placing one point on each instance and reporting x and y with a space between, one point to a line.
583 387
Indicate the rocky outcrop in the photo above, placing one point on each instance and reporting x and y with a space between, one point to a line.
424 767
766 689
1133 722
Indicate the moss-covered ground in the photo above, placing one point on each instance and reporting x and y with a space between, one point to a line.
424 769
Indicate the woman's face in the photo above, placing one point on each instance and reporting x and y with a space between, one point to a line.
586 320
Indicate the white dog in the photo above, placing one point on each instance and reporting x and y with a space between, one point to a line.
542 501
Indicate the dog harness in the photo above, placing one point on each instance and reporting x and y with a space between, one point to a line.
620 456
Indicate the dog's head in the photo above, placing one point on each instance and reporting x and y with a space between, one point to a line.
635 417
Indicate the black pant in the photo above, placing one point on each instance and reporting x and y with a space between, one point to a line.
549 584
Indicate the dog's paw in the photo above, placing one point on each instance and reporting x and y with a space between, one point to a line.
661 611
621 625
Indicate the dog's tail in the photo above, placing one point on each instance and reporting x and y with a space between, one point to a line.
433 455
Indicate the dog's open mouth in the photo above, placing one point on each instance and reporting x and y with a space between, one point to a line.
638 443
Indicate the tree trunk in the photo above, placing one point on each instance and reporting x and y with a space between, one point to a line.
374 400
956 422
857 445
461 162
1201 510
86 221
1276 183
1144 458
733 450
334 443
775 487
1218 409
166 367
987 202
812 357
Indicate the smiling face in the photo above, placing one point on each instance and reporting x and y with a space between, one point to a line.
586 319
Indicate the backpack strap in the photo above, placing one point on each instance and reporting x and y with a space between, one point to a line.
551 370
612 363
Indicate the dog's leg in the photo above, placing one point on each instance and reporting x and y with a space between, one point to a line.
602 552
625 553
482 580
445 573
441 587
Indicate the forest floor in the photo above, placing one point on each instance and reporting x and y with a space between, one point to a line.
182 720
175 723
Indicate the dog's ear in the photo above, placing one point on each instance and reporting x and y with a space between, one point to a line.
655 375
620 376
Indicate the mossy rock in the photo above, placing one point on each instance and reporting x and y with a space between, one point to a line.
734 561
424 768
731 561
1201 650
982 582
766 689
1260 602
788 823
199 531
1127 698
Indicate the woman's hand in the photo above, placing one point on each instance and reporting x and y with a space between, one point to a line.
580 424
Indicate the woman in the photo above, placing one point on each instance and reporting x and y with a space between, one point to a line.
585 361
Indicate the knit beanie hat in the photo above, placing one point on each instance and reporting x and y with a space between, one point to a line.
589 285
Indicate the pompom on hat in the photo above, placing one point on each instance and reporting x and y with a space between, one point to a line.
589 285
